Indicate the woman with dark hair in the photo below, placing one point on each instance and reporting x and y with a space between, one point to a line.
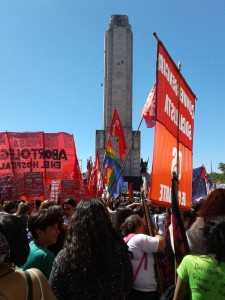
69 206
14 250
212 206
22 212
204 275
94 263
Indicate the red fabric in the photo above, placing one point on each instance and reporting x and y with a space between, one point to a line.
116 129
165 162
52 154
95 184
149 110
130 191
203 174
173 110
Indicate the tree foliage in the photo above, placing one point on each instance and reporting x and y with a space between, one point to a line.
221 167
215 177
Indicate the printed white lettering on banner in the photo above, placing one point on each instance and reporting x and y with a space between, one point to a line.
165 70
172 112
165 195
187 102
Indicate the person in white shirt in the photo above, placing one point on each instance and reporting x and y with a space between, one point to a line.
142 247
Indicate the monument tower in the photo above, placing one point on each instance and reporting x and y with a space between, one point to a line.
118 74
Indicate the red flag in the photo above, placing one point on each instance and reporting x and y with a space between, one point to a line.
130 191
117 130
95 184
77 173
203 174
149 110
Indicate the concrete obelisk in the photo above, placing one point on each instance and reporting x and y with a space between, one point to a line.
118 74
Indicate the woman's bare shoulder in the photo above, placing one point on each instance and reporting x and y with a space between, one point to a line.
48 293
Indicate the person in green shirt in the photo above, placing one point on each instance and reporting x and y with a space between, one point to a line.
43 226
204 275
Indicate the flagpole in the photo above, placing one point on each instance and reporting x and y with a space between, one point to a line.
178 125
121 169
175 208
156 36
149 223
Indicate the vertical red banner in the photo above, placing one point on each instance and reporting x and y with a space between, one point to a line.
174 131
164 164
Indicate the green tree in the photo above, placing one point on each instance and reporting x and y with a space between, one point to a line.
221 167
215 177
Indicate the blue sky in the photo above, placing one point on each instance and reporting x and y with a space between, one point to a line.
52 66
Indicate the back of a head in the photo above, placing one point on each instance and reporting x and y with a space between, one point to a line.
91 231
90 224
71 202
91 214
121 214
56 208
22 208
131 224
46 204
41 220
214 233
12 228
213 205
9 207
139 210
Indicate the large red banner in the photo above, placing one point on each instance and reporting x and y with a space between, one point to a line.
52 154
174 131
173 110
164 164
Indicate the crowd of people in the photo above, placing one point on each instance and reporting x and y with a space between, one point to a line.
88 250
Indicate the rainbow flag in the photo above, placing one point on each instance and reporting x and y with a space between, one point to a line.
112 171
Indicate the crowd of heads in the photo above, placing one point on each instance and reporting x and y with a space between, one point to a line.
85 230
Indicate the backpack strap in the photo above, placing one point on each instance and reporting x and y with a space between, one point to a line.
144 256
39 281
145 259
29 286
128 237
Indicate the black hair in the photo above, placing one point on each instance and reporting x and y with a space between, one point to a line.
12 227
71 202
139 210
214 233
41 220
90 241
121 214
9 205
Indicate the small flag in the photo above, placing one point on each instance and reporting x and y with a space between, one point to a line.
116 129
95 183
130 191
77 173
198 184
149 110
